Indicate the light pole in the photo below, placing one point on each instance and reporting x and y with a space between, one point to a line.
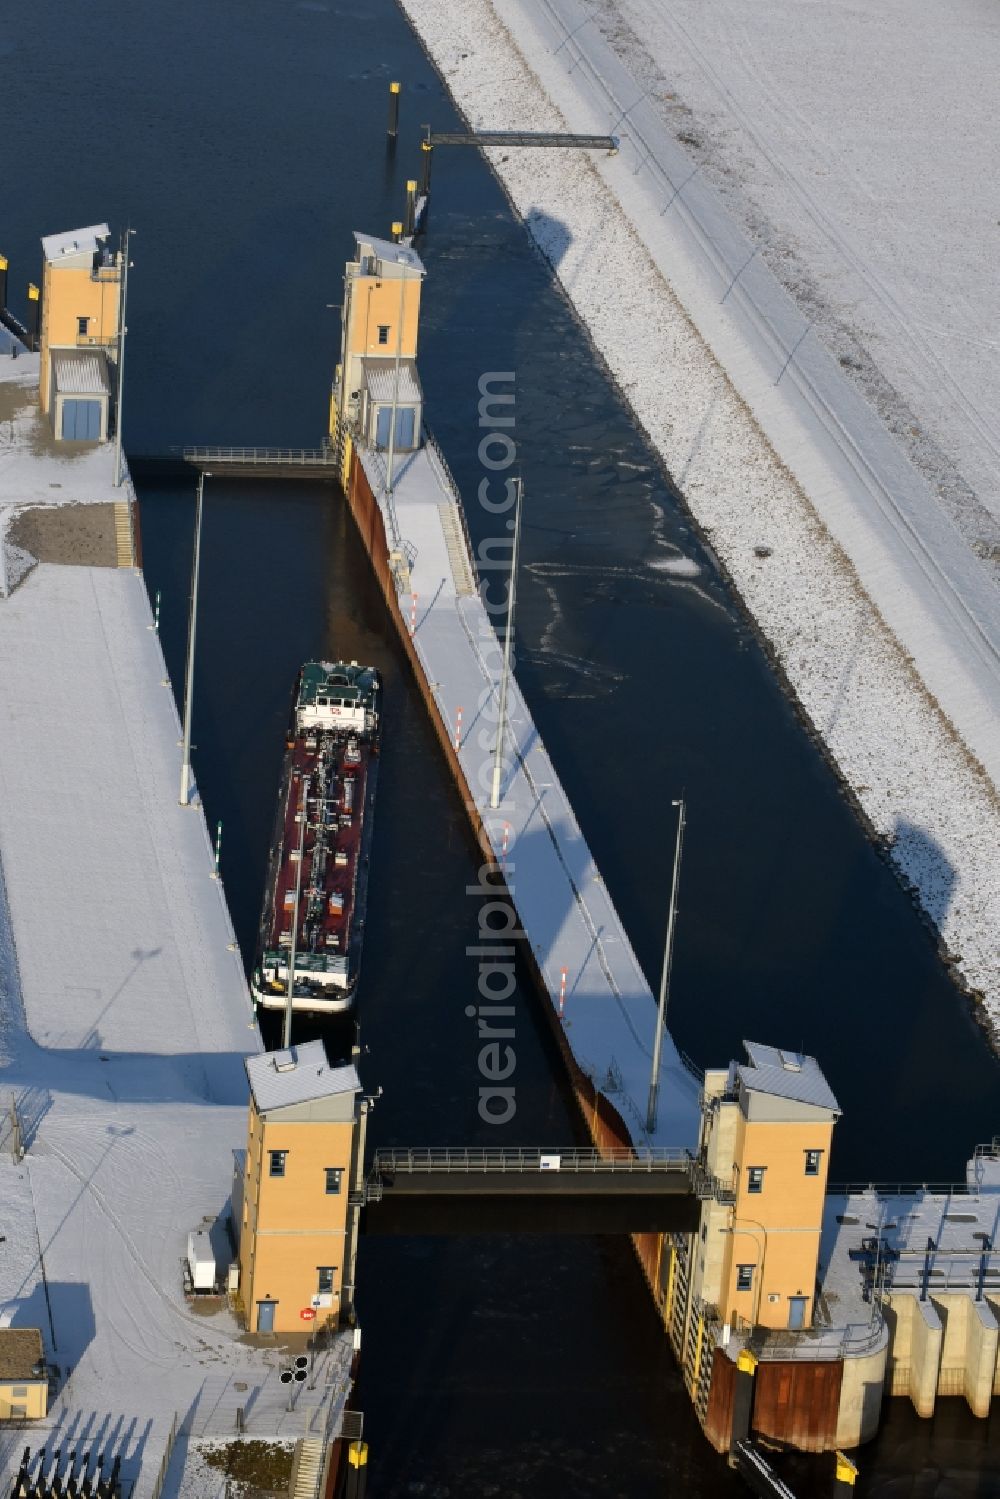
508 644
286 1028
185 795
761 1244
395 381
668 958
122 330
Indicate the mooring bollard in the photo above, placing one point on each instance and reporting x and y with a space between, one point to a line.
357 1470
397 231
393 130
846 1476
34 314
426 152
411 205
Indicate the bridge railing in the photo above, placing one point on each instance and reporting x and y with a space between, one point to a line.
324 457
388 1162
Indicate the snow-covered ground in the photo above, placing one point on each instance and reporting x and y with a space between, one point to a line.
884 620
857 145
124 1022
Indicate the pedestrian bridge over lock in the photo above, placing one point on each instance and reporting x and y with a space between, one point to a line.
536 1190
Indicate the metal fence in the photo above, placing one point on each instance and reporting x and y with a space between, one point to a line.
324 457
660 1159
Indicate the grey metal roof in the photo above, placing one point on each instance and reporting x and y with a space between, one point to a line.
786 1074
75 242
388 251
80 374
380 377
298 1075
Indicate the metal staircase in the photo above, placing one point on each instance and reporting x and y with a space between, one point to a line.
124 548
458 553
308 1468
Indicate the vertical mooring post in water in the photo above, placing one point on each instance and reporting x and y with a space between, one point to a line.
393 127
742 1407
426 155
668 957
3 281
846 1477
185 794
357 1470
34 315
411 206
397 231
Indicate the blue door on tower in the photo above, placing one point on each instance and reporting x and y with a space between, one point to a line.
81 421
406 422
796 1312
265 1316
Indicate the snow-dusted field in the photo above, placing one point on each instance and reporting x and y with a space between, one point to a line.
871 599
858 146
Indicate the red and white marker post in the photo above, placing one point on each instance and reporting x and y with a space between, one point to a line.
413 614
458 730
562 990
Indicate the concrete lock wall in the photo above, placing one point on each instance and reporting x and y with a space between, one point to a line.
993 1302
917 1336
982 1339
947 1345
861 1392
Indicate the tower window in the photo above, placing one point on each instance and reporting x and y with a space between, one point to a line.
383 333
333 1178
324 1279
278 1159
82 324
813 1158
755 1178
744 1277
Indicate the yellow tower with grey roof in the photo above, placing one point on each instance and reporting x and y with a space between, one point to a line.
301 1187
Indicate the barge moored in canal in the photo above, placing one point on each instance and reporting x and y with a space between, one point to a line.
312 923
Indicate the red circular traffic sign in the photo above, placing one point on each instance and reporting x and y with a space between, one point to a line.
308 1313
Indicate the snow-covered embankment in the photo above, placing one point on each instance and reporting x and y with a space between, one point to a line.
883 628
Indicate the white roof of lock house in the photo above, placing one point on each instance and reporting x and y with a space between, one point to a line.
380 378
299 1074
786 1074
83 374
74 242
387 251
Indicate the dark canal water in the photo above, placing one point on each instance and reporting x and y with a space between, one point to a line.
245 141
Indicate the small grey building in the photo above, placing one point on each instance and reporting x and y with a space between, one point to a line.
81 395
382 390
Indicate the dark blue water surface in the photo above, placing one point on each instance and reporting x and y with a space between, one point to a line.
245 141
